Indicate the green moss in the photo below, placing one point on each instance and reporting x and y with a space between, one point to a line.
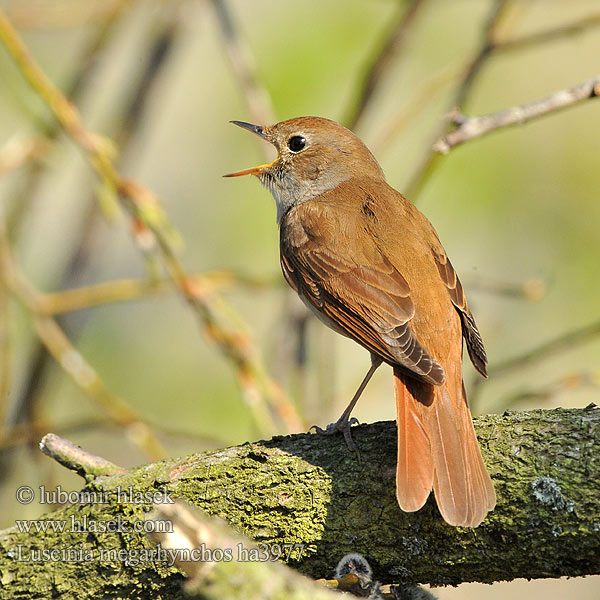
307 490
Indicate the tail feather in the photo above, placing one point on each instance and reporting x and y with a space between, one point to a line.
437 447
450 483
485 486
414 471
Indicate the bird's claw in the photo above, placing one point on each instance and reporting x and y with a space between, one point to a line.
340 426
337 427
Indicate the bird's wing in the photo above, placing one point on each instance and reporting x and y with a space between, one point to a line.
369 300
457 295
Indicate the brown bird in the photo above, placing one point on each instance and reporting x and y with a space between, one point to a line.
371 267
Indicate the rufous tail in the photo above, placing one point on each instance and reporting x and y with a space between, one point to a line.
437 448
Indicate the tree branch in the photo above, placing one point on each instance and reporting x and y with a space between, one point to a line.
379 65
469 128
216 577
565 341
463 88
309 490
549 35
491 44
124 290
58 345
243 65
77 459
261 392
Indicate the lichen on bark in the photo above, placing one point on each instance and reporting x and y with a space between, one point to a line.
309 490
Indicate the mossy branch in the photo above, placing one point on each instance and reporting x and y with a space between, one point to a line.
309 491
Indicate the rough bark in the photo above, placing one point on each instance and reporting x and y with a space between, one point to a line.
308 489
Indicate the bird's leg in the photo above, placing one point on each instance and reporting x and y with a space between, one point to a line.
344 423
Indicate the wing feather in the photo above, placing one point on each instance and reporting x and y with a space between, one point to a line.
471 334
369 303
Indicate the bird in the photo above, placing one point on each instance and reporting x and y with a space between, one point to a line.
371 267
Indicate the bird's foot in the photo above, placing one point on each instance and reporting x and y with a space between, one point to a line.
342 425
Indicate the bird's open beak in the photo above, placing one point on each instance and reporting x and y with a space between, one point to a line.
258 130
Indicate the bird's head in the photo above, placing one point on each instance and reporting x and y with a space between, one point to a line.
314 155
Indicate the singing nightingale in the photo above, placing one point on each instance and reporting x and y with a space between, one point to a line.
370 266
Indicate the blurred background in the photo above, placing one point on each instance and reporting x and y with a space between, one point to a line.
97 346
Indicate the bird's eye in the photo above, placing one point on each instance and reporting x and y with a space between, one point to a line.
296 143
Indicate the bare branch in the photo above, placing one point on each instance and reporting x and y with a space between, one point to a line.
303 492
71 361
380 64
76 459
470 128
243 64
147 214
123 290
549 35
491 44
430 159
567 341
238 578
544 393
487 46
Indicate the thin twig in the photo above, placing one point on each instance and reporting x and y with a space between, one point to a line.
492 43
18 152
548 35
5 332
73 363
545 393
469 128
243 64
123 290
380 64
30 393
532 289
567 341
144 208
76 458
431 159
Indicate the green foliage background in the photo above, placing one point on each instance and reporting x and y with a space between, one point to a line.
517 206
